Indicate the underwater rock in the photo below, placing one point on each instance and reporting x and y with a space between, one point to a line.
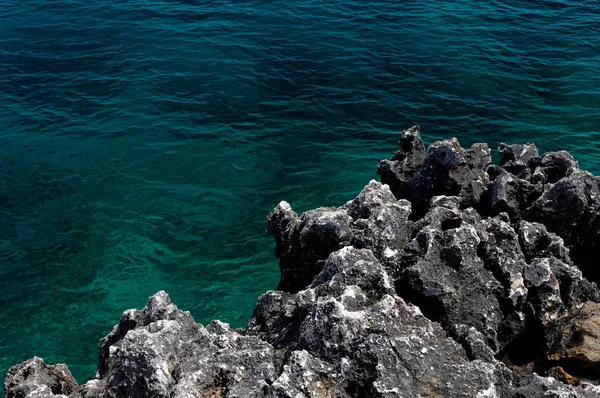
452 277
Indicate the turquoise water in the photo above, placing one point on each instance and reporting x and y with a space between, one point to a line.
142 143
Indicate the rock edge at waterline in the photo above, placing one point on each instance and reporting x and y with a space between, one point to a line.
453 277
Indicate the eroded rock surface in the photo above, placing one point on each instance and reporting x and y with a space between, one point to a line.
452 277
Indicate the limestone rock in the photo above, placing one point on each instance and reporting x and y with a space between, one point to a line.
447 169
302 242
406 162
519 159
450 278
33 378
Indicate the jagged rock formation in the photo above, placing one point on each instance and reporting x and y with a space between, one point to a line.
453 277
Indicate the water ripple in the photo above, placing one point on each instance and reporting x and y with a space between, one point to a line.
142 143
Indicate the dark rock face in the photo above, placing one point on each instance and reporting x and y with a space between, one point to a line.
446 169
451 278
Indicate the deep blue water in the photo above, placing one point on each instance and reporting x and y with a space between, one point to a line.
143 142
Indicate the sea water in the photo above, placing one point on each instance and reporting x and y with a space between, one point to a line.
142 143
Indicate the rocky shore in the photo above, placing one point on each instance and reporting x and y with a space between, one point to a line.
452 277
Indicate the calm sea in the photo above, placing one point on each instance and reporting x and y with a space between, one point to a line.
143 142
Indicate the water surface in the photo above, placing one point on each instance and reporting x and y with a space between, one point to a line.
142 143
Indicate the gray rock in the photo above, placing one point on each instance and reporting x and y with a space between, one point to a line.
519 159
34 379
397 171
536 241
375 343
381 222
556 165
452 278
511 195
446 169
566 206
306 376
536 386
167 354
302 242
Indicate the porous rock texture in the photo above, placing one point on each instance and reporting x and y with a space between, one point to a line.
452 277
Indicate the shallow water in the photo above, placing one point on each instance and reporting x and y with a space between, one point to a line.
142 143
